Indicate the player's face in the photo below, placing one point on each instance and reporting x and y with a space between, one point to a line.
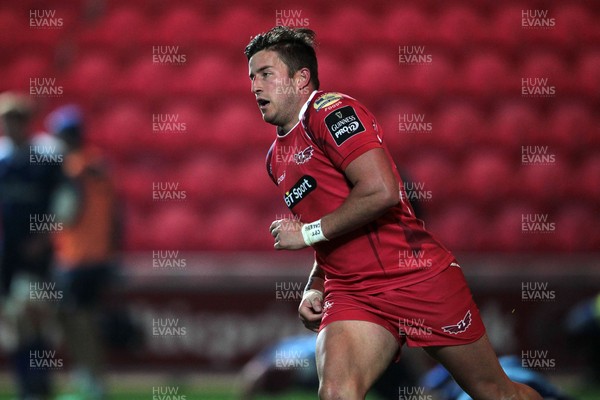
276 93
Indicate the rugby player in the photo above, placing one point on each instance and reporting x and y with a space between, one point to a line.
380 279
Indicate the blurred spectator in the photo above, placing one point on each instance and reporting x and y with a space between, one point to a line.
439 380
29 174
84 249
582 326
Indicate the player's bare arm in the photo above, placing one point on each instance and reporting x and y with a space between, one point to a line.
374 191
311 306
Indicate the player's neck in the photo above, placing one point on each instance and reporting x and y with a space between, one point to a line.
299 109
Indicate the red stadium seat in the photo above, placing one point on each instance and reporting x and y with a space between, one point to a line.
22 70
256 188
547 66
238 83
488 76
354 17
571 129
486 177
460 26
198 78
573 25
240 128
576 228
506 30
430 81
586 179
514 124
120 32
143 79
92 75
136 232
124 130
11 28
175 227
405 25
412 136
545 186
457 126
206 178
460 227
587 73
437 174
234 26
383 75
175 130
329 72
36 29
135 185
180 26
232 227
506 231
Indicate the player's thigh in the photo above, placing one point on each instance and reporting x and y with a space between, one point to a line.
474 366
354 352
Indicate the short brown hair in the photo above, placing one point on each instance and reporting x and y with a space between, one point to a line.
295 46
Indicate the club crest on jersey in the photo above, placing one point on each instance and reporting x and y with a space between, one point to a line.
299 191
325 100
343 124
303 156
462 325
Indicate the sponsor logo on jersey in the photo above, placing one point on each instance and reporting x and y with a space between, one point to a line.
326 99
343 124
462 325
303 156
281 178
299 191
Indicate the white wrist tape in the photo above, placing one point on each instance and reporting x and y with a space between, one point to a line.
312 233
310 292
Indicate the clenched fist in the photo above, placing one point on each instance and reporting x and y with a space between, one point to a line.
287 234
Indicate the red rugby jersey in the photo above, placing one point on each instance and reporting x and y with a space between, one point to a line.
308 163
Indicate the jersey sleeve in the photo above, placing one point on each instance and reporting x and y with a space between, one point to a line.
344 130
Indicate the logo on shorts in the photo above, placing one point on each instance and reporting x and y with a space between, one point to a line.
303 187
343 124
462 325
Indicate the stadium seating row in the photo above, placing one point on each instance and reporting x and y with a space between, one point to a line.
451 25
166 94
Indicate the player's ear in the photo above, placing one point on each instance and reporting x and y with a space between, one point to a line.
303 78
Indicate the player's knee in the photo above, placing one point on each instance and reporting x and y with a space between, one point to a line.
340 390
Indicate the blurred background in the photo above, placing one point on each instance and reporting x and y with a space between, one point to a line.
490 110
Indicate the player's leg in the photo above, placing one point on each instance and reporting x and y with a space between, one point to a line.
351 355
476 369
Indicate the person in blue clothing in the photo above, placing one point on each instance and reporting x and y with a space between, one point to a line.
29 173
441 381
289 365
